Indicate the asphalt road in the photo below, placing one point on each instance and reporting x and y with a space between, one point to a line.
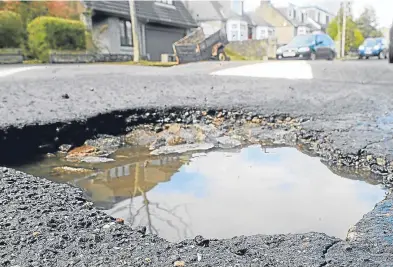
350 101
341 95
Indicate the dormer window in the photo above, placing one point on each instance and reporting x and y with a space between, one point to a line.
167 2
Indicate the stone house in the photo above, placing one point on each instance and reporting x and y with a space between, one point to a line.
211 16
309 18
293 20
160 24
263 29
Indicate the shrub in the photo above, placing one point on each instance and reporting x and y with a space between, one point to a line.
50 33
11 30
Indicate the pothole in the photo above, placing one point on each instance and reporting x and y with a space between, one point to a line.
188 181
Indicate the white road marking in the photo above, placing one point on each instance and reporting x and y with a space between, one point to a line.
7 72
281 69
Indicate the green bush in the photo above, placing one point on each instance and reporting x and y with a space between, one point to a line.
50 33
11 30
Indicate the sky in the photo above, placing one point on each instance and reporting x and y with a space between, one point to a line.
383 8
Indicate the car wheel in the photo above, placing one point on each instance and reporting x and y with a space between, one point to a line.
222 56
360 57
381 55
367 57
313 56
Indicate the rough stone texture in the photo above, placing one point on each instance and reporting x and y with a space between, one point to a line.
254 49
344 117
369 242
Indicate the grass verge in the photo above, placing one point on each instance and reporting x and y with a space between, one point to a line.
144 63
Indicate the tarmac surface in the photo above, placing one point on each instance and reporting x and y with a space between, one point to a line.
46 224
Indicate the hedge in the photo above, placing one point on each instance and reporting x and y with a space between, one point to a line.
50 33
11 30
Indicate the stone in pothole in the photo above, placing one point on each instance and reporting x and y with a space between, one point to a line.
181 148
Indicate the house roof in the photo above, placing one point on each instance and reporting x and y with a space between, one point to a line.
317 7
150 11
284 12
258 20
205 10
214 10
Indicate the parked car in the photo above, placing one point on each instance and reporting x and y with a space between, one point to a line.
374 47
308 46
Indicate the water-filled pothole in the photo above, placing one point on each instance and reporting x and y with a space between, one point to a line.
219 194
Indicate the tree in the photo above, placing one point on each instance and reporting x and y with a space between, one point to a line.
368 23
11 30
353 36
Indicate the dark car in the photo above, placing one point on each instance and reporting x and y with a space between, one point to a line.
308 46
373 47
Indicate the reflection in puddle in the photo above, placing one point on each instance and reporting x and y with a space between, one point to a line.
223 194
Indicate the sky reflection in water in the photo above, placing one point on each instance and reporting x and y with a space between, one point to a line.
224 194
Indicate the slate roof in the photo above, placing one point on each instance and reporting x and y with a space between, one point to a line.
258 20
150 11
214 10
205 10
319 8
284 12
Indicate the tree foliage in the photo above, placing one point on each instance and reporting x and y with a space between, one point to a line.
29 10
368 23
11 30
353 36
50 33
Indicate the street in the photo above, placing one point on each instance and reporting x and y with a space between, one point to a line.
338 94
345 106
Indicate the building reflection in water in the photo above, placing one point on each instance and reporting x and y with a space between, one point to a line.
124 189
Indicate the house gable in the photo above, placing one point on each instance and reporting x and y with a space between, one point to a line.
272 15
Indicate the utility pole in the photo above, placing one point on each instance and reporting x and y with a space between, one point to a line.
343 29
135 31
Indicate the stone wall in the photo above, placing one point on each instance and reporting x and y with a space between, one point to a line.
11 56
254 49
74 57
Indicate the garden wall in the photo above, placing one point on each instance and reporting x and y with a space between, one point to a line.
254 49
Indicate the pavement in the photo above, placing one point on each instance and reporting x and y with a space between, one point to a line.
351 102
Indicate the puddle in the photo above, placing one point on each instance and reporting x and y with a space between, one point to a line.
221 194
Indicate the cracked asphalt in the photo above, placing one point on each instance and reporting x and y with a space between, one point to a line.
349 101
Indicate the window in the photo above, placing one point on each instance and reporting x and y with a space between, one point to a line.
234 26
263 33
327 20
234 35
294 14
271 32
125 33
168 2
302 17
249 33
319 16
